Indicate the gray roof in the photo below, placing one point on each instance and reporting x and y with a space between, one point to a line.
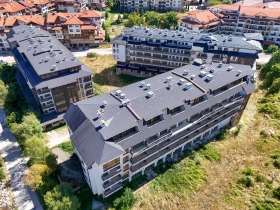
42 50
119 118
254 36
191 37
49 52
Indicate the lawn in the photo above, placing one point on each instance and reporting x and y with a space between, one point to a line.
105 77
66 147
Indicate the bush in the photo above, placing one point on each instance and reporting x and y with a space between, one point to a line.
126 201
276 163
248 171
275 87
276 192
246 181
223 134
259 178
268 204
2 171
67 147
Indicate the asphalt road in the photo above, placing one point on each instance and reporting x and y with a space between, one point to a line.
16 166
7 57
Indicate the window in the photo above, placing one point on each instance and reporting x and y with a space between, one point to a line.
154 120
176 110
71 30
197 100
77 30
125 134
111 164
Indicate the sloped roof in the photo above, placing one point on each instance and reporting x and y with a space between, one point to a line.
73 21
13 7
226 7
203 16
260 11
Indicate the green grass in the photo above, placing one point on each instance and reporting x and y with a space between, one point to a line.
209 152
110 20
181 179
66 147
129 79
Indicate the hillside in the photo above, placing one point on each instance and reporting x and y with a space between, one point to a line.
245 176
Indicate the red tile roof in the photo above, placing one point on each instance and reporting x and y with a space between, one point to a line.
88 27
13 7
226 7
260 11
203 16
73 21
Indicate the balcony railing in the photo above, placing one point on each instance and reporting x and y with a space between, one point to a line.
204 120
113 189
112 181
45 99
113 172
180 142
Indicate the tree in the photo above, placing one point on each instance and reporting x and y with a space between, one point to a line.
29 127
272 48
126 201
35 149
7 74
134 20
226 2
270 69
34 176
153 18
103 25
106 15
170 20
62 198
110 4
275 87
3 93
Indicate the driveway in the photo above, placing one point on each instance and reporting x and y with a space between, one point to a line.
78 53
263 58
16 167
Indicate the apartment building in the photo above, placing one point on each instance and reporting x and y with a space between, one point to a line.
237 20
132 5
145 52
49 75
125 133
81 29
203 21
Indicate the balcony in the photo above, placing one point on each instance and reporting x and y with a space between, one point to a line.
112 181
48 106
204 120
171 146
39 92
45 99
113 189
113 172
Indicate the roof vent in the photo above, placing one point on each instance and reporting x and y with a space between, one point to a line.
29 47
230 39
168 79
202 67
238 73
209 77
220 64
58 60
188 85
118 92
185 72
169 86
229 68
49 40
102 123
182 81
104 103
61 51
35 52
125 102
64 58
73 58
42 60
122 96
192 77
47 59
212 70
142 84
150 94
148 86
99 113
203 73
192 37
35 45
53 67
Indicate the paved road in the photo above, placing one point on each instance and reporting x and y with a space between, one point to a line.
263 58
101 51
16 166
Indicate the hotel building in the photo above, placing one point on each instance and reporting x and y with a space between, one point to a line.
49 75
145 52
125 133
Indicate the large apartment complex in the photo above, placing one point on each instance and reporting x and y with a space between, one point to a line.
125 133
131 5
145 52
236 20
50 76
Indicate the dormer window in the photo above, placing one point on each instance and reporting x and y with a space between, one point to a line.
154 120
176 110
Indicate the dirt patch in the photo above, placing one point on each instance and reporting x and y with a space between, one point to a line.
57 136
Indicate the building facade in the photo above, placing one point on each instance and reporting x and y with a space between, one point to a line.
126 133
145 52
132 5
236 20
50 76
